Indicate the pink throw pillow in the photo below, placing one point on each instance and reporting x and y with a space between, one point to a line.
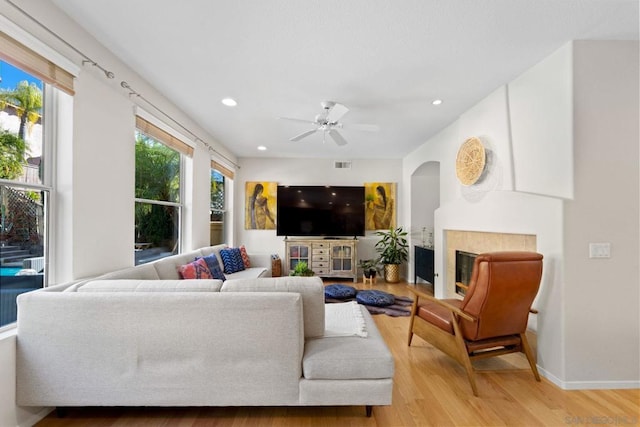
197 269
245 257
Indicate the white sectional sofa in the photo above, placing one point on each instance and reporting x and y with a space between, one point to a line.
141 337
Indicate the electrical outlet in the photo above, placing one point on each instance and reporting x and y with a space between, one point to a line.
599 250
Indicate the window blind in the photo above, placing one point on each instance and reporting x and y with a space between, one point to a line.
19 55
167 139
222 169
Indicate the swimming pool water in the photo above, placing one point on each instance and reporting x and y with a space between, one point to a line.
9 271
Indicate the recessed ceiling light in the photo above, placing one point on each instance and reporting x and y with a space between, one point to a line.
262 148
229 102
436 102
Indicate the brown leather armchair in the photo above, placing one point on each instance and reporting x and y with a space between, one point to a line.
492 318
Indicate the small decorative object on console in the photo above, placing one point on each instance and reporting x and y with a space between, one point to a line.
276 265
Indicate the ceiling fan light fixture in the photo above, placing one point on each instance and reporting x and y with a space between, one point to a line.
229 102
436 102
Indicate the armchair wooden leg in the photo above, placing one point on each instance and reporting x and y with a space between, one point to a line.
414 306
527 352
464 357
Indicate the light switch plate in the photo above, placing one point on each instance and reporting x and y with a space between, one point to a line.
599 250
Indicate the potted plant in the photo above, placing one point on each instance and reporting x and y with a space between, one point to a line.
302 269
369 267
394 250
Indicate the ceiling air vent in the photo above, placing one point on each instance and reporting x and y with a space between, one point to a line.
341 164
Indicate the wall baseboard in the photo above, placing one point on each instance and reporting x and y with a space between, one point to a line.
589 385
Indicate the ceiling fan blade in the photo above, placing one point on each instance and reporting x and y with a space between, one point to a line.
337 137
368 128
297 120
303 135
336 112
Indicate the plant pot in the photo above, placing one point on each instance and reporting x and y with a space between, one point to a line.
369 274
392 273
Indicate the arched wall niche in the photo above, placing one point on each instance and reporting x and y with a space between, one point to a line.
425 199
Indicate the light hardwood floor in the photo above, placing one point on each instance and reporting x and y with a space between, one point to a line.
429 390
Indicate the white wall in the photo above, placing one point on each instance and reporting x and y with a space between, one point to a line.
308 172
578 309
103 169
540 105
602 295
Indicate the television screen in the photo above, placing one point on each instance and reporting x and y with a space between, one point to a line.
326 211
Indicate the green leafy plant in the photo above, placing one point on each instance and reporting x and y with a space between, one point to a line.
369 266
12 155
302 269
393 247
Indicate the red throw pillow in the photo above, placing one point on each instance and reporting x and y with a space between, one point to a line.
245 257
197 269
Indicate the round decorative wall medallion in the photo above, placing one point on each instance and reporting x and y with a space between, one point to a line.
470 161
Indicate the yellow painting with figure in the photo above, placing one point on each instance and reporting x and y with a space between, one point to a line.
380 207
260 205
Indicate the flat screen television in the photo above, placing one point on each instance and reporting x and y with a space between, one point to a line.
324 211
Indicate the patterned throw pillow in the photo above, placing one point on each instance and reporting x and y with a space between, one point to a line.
231 260
197 269
245 257
214 266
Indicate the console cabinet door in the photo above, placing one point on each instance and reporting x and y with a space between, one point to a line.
343 259
297 252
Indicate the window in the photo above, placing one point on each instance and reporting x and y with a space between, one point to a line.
158 192
24 195
221 193
217 209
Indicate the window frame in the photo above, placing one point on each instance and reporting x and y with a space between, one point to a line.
49 141
180 205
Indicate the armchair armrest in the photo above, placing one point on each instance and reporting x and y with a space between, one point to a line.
261 260
454 310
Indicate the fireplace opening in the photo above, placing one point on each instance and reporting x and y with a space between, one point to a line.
464 267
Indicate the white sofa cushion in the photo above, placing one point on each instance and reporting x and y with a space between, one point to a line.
348 358
311 289
247 273
196 285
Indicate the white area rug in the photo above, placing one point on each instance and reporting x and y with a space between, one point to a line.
344 320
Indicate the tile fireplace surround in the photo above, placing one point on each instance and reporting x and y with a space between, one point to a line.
478 242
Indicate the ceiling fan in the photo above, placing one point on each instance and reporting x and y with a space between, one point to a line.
329 122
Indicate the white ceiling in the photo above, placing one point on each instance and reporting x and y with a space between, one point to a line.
384 59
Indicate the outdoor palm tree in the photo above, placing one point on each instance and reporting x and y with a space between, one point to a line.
26 98
12 154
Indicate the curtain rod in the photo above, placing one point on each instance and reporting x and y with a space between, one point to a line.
133 92
110 75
